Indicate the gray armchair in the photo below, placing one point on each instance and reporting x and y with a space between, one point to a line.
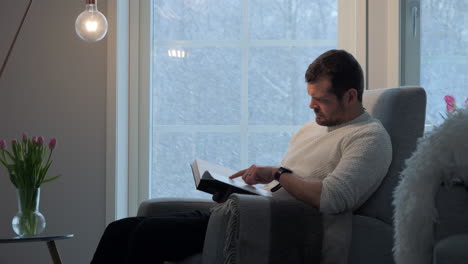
252 229
431 200
451 229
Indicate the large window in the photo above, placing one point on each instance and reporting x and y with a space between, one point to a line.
444 54
227 82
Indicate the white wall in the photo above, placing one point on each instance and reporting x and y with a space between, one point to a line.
55 86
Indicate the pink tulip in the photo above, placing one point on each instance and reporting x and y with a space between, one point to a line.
40 141
52 143
14 141
25 137
2 144
34 140
450 101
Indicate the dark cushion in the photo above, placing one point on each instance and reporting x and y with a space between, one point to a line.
452 250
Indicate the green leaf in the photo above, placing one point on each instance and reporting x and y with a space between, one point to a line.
27 164
10 155
442 116
4 163
50 179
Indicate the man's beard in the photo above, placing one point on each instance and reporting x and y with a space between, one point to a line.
326 122
330 121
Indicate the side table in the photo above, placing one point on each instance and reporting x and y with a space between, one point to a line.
49 239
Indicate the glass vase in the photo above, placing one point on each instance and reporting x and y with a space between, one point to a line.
28 221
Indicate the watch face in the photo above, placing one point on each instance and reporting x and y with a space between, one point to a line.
280 171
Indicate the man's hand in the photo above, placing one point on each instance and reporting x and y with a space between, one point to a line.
256 174
253 175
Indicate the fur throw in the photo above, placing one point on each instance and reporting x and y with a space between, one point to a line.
441 156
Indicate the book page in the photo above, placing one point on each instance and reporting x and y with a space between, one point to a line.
222 174
195 172
220 171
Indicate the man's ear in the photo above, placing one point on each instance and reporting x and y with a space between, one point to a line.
352 95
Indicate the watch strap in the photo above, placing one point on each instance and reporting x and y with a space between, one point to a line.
280 171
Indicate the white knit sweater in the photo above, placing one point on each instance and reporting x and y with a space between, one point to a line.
350 159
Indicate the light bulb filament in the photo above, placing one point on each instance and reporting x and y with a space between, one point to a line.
91 26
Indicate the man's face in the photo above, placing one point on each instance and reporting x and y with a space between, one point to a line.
329 111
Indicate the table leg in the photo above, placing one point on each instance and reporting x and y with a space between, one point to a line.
54 252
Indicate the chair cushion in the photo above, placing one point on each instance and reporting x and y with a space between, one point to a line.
451 250
154 207
402 113
371 242
195 259
451 204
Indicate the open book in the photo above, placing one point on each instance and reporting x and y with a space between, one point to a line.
213 178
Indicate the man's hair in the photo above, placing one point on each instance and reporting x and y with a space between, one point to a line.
341 68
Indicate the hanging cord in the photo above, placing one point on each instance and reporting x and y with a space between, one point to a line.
14 39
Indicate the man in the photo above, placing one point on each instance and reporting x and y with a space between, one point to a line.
339 160
333 163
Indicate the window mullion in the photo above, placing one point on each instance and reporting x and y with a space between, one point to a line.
244 84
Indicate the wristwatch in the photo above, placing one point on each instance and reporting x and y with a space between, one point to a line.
280 171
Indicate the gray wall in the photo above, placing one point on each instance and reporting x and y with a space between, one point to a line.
55 86
377 45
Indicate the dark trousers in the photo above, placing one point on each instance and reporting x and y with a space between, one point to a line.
169 237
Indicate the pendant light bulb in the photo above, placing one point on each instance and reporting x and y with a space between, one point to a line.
91 25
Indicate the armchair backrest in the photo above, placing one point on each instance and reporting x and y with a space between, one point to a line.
402 112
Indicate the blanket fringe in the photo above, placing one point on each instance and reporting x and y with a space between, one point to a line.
230 209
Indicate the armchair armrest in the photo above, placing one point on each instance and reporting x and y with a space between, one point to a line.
159 206
256 229
451 203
